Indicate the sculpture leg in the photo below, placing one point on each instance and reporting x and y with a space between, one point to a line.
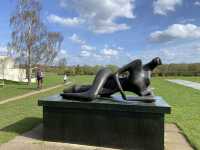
94 90
77 88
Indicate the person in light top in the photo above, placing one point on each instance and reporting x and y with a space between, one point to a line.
65 78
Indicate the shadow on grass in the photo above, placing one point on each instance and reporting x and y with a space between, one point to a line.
22 126
28 88
14 82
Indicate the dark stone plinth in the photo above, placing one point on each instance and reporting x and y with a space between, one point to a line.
102 122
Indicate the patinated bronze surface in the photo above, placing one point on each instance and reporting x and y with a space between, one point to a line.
133 77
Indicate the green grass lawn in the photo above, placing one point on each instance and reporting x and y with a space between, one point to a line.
12 89
20 116
185 104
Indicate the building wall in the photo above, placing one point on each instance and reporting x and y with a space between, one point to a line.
11 73
18 75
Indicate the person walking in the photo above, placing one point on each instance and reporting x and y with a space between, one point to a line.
65 78
39 77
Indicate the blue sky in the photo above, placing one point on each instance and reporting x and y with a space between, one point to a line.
117 31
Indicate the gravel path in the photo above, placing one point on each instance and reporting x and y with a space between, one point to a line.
32 93
190 84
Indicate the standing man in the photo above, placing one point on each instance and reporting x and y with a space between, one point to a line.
39 77
65 78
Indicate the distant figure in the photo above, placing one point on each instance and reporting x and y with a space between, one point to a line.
39 77
65 78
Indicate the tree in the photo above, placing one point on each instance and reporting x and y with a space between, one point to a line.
113 68
62 62
30 39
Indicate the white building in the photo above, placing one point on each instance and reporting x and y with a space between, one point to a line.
9 72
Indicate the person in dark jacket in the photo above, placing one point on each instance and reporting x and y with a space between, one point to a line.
39 77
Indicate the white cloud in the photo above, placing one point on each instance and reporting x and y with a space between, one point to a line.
176 31
197 3
64 21
84 53
162 7
101 15
86 47
63 52
187 20
109 52
76 39
91 55
86 50
182 53
104 56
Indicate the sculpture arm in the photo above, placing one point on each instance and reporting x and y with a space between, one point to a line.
126 67
119 86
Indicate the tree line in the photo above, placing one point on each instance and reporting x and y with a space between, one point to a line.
78 70
163 70
178 70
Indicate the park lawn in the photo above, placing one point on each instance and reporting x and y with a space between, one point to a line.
82 79
12 89
185 104
20 116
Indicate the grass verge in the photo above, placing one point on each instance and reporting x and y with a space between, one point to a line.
20 116
12 89
185 104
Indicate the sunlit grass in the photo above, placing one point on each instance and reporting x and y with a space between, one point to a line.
20 116
185 104
12 89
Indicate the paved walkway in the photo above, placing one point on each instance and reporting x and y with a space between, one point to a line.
191 84
32 93
174 140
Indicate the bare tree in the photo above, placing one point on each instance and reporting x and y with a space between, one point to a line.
62 62
30 39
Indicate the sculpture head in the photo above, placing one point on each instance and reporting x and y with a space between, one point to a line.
152 64
143 75
157 61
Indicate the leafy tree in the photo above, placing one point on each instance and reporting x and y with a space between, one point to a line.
30 39
113 68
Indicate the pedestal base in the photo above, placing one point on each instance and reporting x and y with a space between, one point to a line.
133 125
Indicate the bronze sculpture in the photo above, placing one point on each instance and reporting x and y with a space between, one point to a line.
136 79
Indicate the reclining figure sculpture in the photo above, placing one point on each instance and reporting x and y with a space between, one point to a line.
136 79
